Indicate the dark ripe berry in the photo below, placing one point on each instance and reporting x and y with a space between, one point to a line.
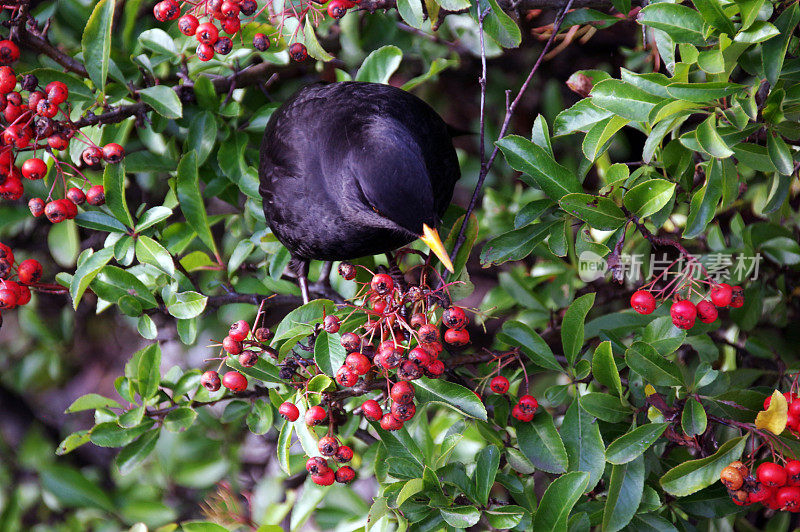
187 24
24 296
357 363
435 369
347 271
315 415
34 168
344 454
29 271
345 475
409 371
428 334
456 337
720 294
337 9
223 46
420 356
327 446
42 127
298 52
92 156
57 92
351 341
454 318
643 302
499 384
9 52
5 269
8 79
418 320
8 298
230 25
14 98
261 43
345 377
381 283
372 410
34 98
239 330
771 475
792 468
388 359
731 478
707 312
248 359
173 9
55 212
263 335
316 465
248 7
520 415
289 411
229 9
403 412
231 346
207 33
57 142
234 381
402 392
331 324
76 196
113 153
211 381
528 403
737 297
788 499
36 205
389 422
6 253
325 479
205 52
96 195
12 189
683 314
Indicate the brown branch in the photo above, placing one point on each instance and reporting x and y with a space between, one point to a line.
40 44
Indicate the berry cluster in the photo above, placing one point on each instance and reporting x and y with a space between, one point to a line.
684 313
13 292
246 344
30 123
776 487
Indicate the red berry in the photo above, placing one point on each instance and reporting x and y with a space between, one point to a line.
55 212
34 98
12 188
499 384
71 208
346 378
402 392
737 297
187 24
96 195
403 412
740 497
9 52
788 499
683 314
519 414
324 479
761 493
36 205
230 25
29 271
289 411
794 408
113 153
389 422
207 33
345 475
16 136
316 465
643 302
298 52
14 98
456 337
24 295
76 196
8 297
205 52
6 253
331 324
372 410
57 142
418 320
707 312
8 79
792 468
357 363
229 9
223 46
46 108
351 341
248 7
344 454
261 43
382 284
720 294
327 446
239 330
528 403
210 381
337 9
771 475
248 359
315 415
92 155
234 381
34 168
420 357
435 369
231 346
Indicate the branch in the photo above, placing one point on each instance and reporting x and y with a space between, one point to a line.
41 44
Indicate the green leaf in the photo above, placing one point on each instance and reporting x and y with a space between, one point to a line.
693 475
704 201
379 66
572 326
655 369
191 201
163 100
126 282
329 353
409 489
453 5
605 407
411 13
541 443
631 445
96 42
152 216
91 401
505 517
605 369
598 138
598 211
624 100
712 13
132 454
498 24
648 197
583 442
703 92
711 141
461 516
114 188
158 41
558 500
283 446
579 117
202 134
110 434
624 494
693 420
681 23
780 154
517 334
180 419
315 49
773 51
514 245
525 156
86 273
148 373
302 319
231 159
259 419
74 490
149 251
99 221
450 394
187 305
760 31
485 471
72 442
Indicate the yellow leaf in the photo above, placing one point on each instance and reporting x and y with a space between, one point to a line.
649 390
773 418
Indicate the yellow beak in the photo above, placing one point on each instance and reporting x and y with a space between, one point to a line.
432 240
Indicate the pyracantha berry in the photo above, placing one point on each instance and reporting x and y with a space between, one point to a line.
248 7
346 378
720 294
382 284
771 475
239 330
207 33
350 341
71 208
298 52
737 297
740 497
759 492
357 363
234 381
389 422
12 189
34 168
55 212
419 356
418 320
9 52
643 302
325 479
92 156
289 411
24 296
8 297
435 369
36 205
16 136
731 478
57 142
344 454
29 83
29 271
113 153
347 271
707 312
372 410
528 403
211 381
34 98
46 108
327 446
345 475
76 196
456 337
57 92
788 499
231 346
205 52
263 335
519 414
408 371
248 359
428 333
315 415
316 465
230 25
741 468
403 412
499 384
223 46
96 195
187 24
331 324
454 318
8 79
5 269
792 468
229 9
337 9
261 43
402 392
6 253
683 314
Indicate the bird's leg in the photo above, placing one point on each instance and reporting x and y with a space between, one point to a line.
325 274
300 269
394 271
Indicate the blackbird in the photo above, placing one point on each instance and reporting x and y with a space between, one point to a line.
352 169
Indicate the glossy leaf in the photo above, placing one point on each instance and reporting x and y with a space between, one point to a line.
604 369
654 369
598 211
693 475
558 500
631 445
583 442
624 494
96 42
451 395
648 197
572 326
517 333
525 156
